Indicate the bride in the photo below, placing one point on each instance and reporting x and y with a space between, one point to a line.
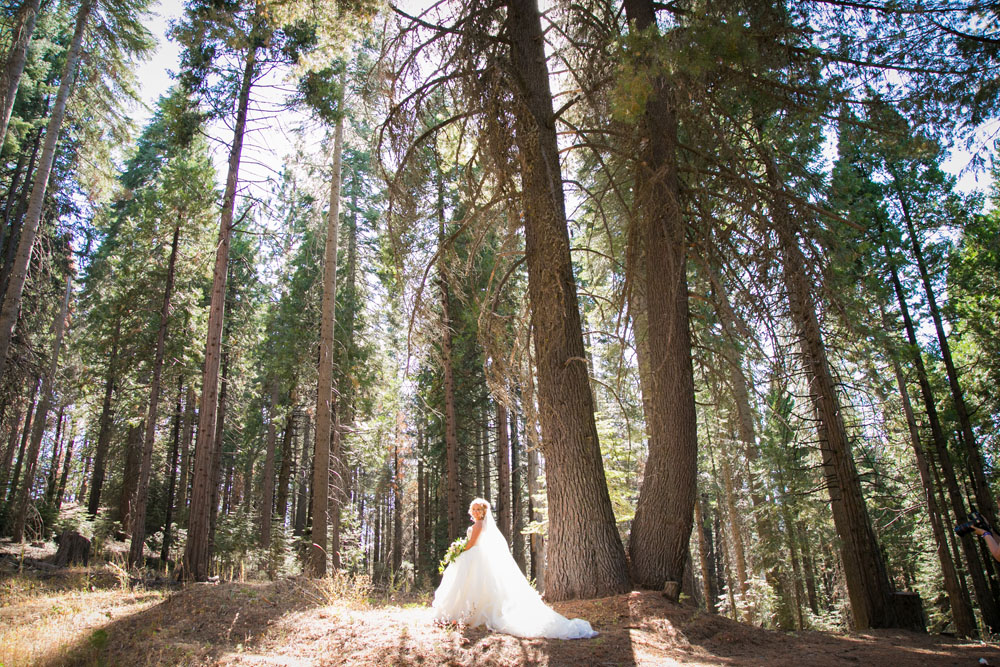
484 586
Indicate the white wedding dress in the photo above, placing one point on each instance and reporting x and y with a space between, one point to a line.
484 586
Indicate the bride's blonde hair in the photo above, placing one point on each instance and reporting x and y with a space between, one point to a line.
479 502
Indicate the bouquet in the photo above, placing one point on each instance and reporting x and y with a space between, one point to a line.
452 554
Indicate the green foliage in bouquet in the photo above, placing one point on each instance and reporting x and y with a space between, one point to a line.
452 554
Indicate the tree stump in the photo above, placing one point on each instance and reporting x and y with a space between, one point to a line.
909 611
672 590
73 548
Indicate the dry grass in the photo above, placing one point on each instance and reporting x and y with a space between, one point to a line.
89 616
42 615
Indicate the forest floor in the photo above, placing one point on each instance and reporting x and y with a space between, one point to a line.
96 616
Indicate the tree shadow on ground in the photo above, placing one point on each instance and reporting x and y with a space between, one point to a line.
192 626
297 621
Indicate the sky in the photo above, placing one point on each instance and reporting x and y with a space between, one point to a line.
269 135
154 74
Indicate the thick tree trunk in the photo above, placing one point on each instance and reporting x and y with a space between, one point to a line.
196 550
136 556
22 29
868 584
503 473
984 596
585 550
661 530
325 408
41 413
19 272
267 482
172 475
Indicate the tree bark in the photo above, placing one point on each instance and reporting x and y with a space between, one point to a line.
704 553
87 462
454 492
22 29
187 437
196 550
961 605
136 557
397 499
41 413
516 506
868 583
104 429
14 231
25 436
285 472
50 483
19 272
172 475
267 482
325 401
67 460
984 497
585 550
220 429
17 427
130 475
503 473
484 441
987 601
809 572
304 472
736 537
792 542
661 529
536 539
25 165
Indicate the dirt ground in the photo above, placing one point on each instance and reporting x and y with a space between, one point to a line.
91 616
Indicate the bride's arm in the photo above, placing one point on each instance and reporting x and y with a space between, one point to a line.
476 529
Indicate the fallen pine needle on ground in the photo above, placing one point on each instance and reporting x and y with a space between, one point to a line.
88 616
